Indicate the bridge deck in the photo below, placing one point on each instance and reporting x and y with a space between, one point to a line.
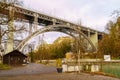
43 19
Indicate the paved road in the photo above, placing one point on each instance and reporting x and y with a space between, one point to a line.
31 68
49 73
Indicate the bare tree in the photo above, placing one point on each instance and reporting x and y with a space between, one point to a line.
16 2
4 23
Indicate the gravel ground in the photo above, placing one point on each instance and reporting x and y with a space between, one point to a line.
31 68
59 76
41 72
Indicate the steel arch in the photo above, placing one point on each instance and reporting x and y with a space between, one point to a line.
70 30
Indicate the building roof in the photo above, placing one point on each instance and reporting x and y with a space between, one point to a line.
15 53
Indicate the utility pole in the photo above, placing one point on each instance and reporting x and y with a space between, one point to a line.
79 60
79 52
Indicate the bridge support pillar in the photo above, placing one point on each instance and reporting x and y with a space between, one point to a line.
89 33
35 21
54 21
89 36
30 28
10 36
94 39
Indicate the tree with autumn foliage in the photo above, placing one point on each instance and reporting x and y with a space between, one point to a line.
56 50
110 44
61 46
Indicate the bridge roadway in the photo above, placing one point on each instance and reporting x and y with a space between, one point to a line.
24 14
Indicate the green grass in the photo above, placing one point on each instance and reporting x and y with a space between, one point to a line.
113 69
4 67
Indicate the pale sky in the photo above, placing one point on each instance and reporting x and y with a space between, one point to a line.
92 13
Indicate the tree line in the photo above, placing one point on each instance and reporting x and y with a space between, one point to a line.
56 50
110 43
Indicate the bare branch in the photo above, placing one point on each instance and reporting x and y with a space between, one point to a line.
20 29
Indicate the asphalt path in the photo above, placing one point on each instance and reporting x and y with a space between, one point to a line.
31 68
48 73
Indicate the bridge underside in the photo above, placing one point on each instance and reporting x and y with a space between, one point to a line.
75 32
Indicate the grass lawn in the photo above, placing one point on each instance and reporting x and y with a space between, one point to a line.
113 69
4 67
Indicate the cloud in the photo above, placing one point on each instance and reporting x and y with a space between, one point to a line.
51 36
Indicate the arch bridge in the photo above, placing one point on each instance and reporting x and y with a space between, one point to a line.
75 32
89 37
